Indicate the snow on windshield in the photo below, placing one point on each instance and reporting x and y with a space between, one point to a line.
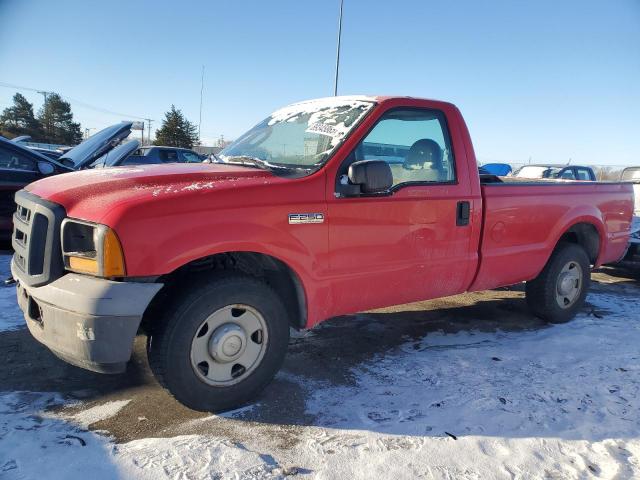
332 116
301 134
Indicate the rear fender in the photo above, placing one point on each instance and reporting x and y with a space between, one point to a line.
584 214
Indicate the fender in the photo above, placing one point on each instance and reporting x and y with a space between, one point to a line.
585 214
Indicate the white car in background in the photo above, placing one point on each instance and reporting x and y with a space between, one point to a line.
632 174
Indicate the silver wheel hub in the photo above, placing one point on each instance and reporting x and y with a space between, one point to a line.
229 345
569 284
227 342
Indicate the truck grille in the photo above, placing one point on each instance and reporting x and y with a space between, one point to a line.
36 239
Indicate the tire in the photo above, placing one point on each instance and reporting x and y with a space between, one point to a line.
180 350
551 299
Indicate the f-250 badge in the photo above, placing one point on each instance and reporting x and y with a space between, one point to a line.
295 218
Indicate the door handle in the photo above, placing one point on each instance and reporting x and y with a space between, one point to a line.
463 213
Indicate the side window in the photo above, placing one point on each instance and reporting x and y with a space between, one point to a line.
414 142
10 160
567 174
190 157
582 174
168 156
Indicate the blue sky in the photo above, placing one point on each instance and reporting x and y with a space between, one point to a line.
547 80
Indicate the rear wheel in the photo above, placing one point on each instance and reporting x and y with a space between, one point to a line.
558 293
219 344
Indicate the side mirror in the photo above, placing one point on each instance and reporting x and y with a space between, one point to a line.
373 176
45 168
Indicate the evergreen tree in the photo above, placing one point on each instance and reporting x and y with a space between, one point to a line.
57 121
19 119
176 130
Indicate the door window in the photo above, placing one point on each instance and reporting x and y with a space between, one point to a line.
10 160
414 142
190 157
567 174
582 174
168 156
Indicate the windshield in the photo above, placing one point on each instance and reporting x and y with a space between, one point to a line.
631 175
300 136
536 171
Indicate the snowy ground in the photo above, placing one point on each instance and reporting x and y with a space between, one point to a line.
457 392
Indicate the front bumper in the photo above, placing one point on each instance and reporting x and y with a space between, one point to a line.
88 322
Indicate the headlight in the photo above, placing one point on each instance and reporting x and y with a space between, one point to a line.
91 248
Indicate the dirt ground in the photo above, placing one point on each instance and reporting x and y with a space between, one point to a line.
325 354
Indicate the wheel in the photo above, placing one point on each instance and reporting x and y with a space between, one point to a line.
558 293
220 342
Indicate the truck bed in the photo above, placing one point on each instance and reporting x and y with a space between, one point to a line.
526 219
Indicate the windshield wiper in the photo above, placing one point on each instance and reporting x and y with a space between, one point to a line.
250 161
246 161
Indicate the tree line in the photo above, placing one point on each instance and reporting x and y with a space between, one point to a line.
54 124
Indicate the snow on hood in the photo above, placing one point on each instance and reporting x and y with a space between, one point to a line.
90 194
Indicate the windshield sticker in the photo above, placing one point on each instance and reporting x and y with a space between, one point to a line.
323 129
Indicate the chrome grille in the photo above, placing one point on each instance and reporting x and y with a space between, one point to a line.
36 239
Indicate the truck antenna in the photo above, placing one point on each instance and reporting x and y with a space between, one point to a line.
335 84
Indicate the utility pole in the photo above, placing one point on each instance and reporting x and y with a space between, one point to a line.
201 89
335 85
46 126
149 121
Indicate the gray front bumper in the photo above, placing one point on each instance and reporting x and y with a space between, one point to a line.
88 322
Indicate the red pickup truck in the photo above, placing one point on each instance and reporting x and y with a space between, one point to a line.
326 207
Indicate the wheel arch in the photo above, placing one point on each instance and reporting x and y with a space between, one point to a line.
274 271
586 233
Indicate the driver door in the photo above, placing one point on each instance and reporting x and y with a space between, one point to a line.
405 245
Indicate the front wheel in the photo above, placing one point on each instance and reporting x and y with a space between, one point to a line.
219 343
559 292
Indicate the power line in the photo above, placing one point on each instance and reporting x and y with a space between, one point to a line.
73 100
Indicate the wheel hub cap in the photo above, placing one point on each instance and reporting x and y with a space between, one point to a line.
229 345
566 283
227 342
569 285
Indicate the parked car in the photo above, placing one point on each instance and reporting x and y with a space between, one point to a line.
215 262
632 174
151 155
562 172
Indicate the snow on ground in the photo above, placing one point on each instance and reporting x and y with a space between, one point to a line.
556 402
36 443
99 412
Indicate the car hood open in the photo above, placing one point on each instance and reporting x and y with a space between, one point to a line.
96 145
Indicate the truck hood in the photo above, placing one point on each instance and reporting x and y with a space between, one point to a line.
91 194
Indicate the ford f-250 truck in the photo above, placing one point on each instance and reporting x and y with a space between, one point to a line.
326 207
